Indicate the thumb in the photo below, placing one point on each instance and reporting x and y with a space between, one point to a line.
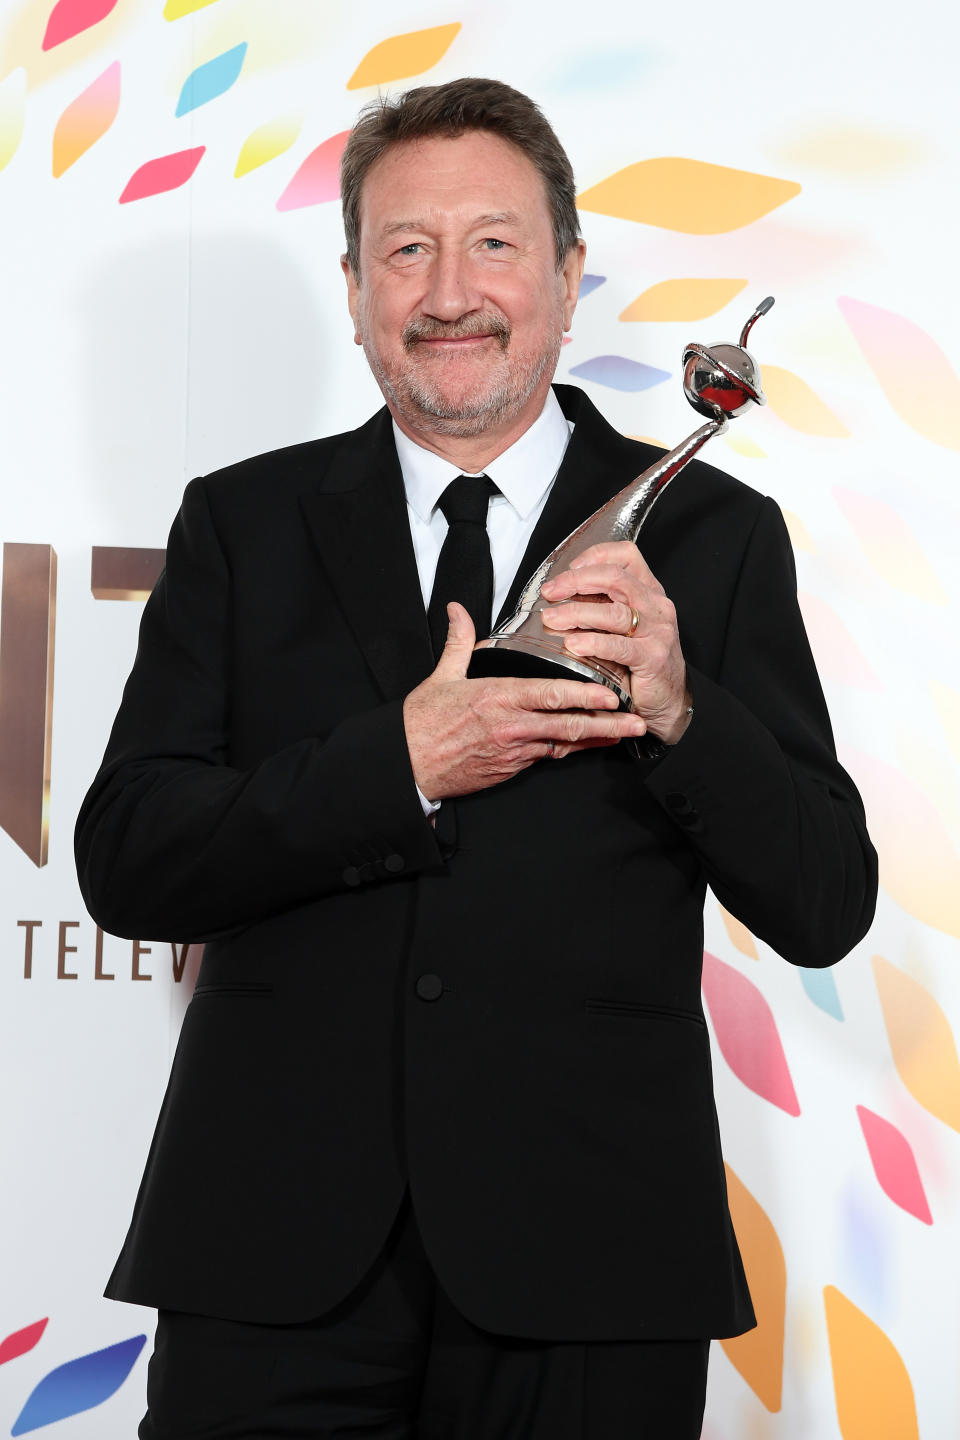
461 638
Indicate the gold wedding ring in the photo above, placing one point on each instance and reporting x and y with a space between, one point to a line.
633 624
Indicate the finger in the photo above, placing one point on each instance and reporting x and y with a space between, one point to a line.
614 616
621 554
598 742
609 580
461 637
537 695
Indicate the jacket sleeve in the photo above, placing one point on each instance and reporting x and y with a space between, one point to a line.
755 782
174 842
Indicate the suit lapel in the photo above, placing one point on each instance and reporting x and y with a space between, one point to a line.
598 462
357 517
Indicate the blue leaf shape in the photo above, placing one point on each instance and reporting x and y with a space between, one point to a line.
619 373
589 283
79 1385
822 990
212 79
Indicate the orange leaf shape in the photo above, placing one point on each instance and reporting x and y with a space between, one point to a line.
86 120
870 1381
919 867
683 300
921 1042
799 534
798 406
914 374
890 545
689 195
403 55
839 657
738 934
758 1355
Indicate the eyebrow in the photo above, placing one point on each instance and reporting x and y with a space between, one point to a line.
402 227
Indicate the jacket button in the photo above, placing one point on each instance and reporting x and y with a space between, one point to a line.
429 987
678 802
394 864
351 876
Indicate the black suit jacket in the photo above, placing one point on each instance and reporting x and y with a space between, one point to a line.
552 1106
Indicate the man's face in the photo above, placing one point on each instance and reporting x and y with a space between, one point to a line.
460 307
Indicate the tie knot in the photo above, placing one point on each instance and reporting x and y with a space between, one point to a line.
467 498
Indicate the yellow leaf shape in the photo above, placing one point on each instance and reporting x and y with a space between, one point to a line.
689 195
743 445
870 1381
683 300
947 702
921 1042
890 545
919 867
176 9
13 106
403 55
798 532
848 150
758 1355
266 143
738 934
798 406
839 657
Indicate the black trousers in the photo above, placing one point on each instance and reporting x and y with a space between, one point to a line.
397 1361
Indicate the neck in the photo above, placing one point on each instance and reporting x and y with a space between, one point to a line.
473 453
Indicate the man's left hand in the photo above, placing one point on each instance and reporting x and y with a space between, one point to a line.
631 623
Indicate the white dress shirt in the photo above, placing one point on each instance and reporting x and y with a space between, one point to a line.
524 475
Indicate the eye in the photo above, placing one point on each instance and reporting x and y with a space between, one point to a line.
410 249
493 244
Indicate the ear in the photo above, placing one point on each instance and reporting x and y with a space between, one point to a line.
353 297
572 273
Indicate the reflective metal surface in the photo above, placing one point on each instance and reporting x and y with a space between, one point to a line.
720 382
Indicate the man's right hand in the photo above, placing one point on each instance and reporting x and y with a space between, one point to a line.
466 735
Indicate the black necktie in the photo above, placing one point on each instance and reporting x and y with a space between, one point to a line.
465 568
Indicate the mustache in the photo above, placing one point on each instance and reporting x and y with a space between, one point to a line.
466 327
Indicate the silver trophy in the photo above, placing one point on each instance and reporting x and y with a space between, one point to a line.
720 381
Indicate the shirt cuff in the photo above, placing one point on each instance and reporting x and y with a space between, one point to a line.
430 807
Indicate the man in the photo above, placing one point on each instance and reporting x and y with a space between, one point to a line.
439 1154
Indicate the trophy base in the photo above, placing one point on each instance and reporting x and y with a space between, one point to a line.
523 657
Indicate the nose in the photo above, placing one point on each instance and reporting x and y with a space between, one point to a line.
451 289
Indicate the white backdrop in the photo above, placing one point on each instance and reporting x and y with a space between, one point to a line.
145 342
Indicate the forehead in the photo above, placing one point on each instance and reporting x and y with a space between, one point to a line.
442 179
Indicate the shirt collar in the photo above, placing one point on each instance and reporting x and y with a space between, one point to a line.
523 473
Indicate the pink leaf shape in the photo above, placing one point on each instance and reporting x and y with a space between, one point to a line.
838 655
747 1034
70 17
318 178
894 1164
21 1341
168 172
914 373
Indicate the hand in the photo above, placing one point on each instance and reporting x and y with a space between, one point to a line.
466 735
648 652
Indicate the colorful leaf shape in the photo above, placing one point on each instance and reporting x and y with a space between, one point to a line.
619 373
747 1034
211 80
72 17
318 178
689 195
87 119
738 934
79 1385
871 1385
168 172
864 1247
894 1164
176 9
742 445
266 143
13 112
673 300
758 1355
852 150
839 657
589 283
919 867
21 1341
797 530
890 545
798 406
921 1041
821 988
403 55
913 372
